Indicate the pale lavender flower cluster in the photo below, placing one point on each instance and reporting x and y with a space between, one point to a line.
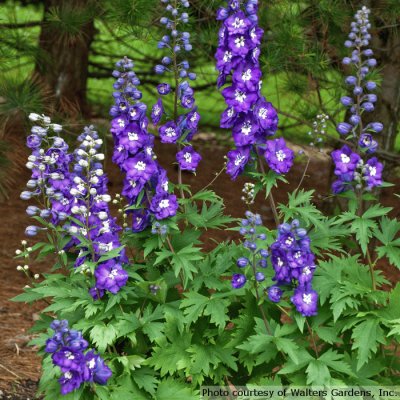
350 168
293 261
177 128
50 180
92 220
68 347
251 118
146 181
257 255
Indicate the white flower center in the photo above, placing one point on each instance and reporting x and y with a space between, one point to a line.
239 159
113 274
170 132
230 112
372 171
306 271
121 123
289 241
132 183
307 298
164 203
280 262
165 186
140 166
280 155
156 110
238 23
91 363
345 158
246 76
263 113
69 355
246 128
133 136
240 96
239 42
188 157
227 56
68 375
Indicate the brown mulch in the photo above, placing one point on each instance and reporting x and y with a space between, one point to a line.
19 364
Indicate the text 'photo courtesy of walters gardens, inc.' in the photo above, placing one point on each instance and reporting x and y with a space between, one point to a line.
299 392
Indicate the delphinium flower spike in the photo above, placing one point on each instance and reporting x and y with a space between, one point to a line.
146 181
293 262
251 118
178 127
256 253
50 180
352 168
68 350
90 208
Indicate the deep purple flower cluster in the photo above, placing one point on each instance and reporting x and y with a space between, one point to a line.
145 178
50 180
177 128
293 261
90 207
68 347
257 256
350 168
251 118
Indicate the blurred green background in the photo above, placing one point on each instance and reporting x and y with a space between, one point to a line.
56 57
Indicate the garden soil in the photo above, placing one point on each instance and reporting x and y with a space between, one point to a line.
19 364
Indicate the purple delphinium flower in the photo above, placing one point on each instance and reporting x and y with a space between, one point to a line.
164 205
250 116
68 347
373 173
177 128
133 151
306 301
293 260
188 159
110 276
238 281
278 156
350 165
275 294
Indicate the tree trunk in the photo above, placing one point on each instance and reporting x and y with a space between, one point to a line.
63 67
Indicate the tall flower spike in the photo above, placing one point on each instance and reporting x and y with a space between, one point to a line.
352 170
145 181
90 200
177 128
249 115
50 181
293 260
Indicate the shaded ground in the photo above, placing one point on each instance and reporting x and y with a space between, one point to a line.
19 365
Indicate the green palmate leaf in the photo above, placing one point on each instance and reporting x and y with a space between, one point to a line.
195 305
367 336
145 379
363 226
318 373
300 206
388 235
103 335
172 389
267 181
